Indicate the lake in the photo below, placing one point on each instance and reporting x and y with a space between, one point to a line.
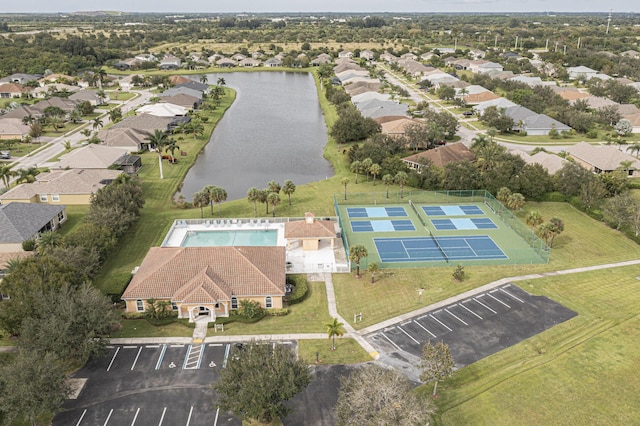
274 130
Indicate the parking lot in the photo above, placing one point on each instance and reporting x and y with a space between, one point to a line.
476 327
159 384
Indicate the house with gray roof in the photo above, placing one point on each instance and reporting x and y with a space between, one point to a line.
91 96
183 100
533 123
195 85
581 73
20 78
26 221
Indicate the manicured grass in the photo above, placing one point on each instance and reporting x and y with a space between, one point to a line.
348 351
395 290
579 372
120 96
306 317
75 214
143 328
20 149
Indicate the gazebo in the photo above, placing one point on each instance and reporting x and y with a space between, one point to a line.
310 232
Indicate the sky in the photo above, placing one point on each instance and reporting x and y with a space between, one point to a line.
225 6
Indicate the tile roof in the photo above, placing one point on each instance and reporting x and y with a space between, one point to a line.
397 127
441 156
208 274
314 229
90 157
144 123
21 221
604 157
551 162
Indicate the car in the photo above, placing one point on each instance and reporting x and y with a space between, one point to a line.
5 155
467 113
441 142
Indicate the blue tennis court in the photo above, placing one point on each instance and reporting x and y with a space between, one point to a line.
451 210
414 249
463 223
382 225
376 212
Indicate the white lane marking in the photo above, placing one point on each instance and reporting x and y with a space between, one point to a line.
135 417
81 417
189 418
511 295
456 317
113 358
410 336
390 341
215 422
424 328
440 322
136 360
109 346
177 346
159 363
498 300
226 355
162 418
471 311
152 346
216 344
201 356
405 323
108 417
129 347
484 305
186 357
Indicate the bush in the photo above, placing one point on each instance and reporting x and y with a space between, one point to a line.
555 196
133 315
592 134
300 291
250 309
28 245
277 312
159 322
458 273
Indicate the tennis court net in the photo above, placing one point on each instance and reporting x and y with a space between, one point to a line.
415 209
435 240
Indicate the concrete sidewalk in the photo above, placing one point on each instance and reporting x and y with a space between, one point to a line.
217 339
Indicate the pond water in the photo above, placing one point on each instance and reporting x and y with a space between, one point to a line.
274 130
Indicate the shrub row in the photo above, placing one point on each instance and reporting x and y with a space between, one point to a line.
301 290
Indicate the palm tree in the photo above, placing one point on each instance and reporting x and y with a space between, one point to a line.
159 140
115 115
6 174
195 127
289 188
100 75
492 132
27 175
556 229
47 241
274 186
334 328
365 165
387 180
200 199
274 199
97 123
545 231
534 219
253 196
220 81
204 79
373 268
218 195
209 190
357 252
356 167
401 179
375 170
171 147
634 147
479 141
345 182
488 155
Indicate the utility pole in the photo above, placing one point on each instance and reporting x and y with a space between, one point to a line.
609 21
578 43
516 46
495 43
546 45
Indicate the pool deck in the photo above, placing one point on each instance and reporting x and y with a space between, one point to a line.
299 261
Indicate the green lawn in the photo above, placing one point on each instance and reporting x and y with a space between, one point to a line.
579 372
75 214
348 351
20 149
143 328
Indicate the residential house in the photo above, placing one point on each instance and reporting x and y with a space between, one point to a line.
498 103
194 85
389 58
375 108
132 132
183 100
70 187
226 63
20 222
487 68
440 156
477 53
91 96
20 78
273 62
635 122
179 79
572 95
92 156
163 109
409 55
181 91
249 62
321 59
367 54
367 96
596 102
478 98
345 54
57 78
13 128
12 90
208 282
170 62
397 127
129 164
603 158
53 89
533 123
581 73
66 105
146 57
238 57
355 89
552 163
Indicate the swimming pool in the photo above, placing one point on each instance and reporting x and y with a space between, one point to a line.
230 238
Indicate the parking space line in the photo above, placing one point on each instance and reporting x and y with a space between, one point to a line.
449 312
129 347
215 422
440 322
177 346
201 356
81 417
189 418
109 346
162 418
511 295
408 335
405 323
135 417
390 341
108 417
136 360
471 311
152 346
216 344
498 300
484 304
186 357
113 358
162 352
424 328
226 355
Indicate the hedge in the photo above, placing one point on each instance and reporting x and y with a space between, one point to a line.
301 290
